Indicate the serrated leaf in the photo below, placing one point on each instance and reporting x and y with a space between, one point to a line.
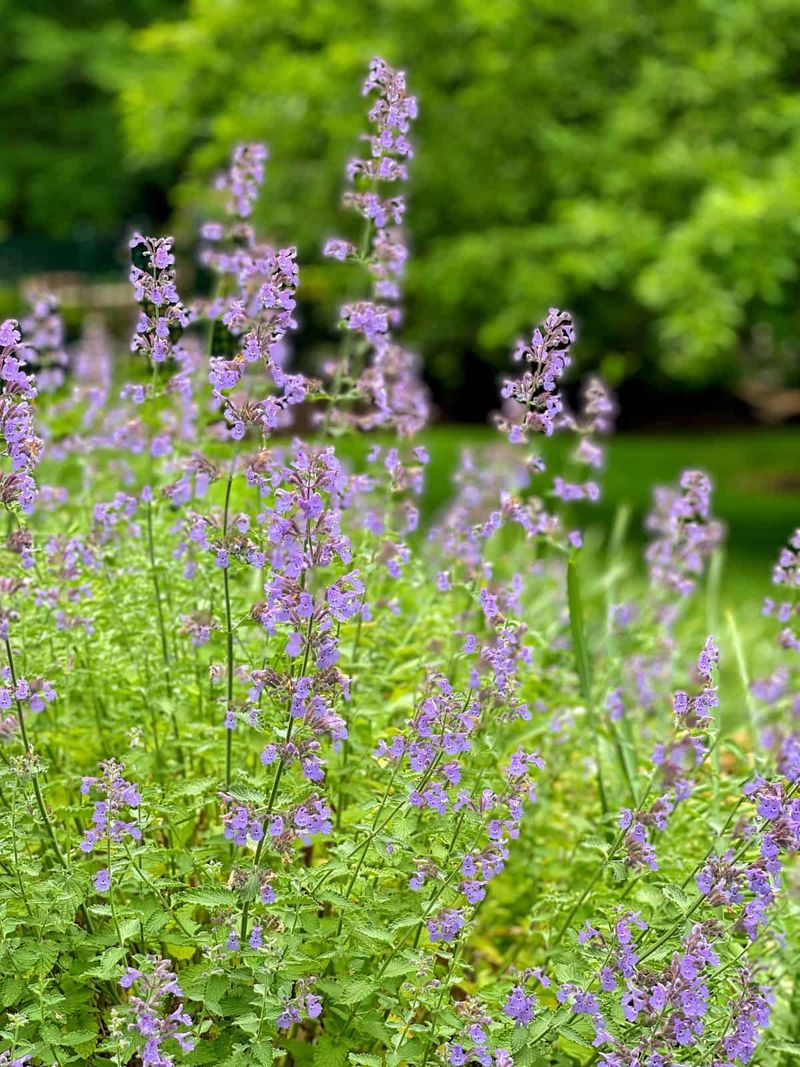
401 965
78 1037
108 966
571 1034
411 1050
35 956
619 872
784 1046
193 980
11 992
596 844
371 932
675 894
216 987
519 1038
330 896
404 922
263 1053
542 1025
250 1023
355 989
328 1052
128 928
567 971
210 897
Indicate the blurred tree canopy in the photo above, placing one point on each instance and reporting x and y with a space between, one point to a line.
638 162
62 174
635 160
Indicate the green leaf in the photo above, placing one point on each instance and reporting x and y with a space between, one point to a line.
328 1052
211 897
619 872
519 1038
11 992
371 933
545 1023
263 1053
571 1034
108 966
675 895
302 1051
784 1046
347 990
129 928
400 966
78 1037
579 646
216 987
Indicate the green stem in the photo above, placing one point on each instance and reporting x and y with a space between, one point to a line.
17 871
162 629
111 895
35 782
347 347
346 742
276 781
157 588
29 752
228 628
438 1007
744 677
583 668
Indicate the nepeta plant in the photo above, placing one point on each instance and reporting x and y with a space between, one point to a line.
289 774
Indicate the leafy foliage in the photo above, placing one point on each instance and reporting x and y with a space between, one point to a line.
58 120
639 161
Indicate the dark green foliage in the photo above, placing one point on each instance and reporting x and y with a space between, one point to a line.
62 174
636 162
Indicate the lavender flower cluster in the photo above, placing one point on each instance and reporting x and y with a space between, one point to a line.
371 788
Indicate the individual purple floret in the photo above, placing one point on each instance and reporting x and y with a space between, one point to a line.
595 420
749 1014
255 305
786 575
37 693
243 181
102 881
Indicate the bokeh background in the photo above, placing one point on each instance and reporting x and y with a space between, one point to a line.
635 161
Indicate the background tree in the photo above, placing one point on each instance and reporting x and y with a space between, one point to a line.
64 176
637 161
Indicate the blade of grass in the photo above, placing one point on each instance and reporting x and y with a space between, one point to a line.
744 678
583 667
